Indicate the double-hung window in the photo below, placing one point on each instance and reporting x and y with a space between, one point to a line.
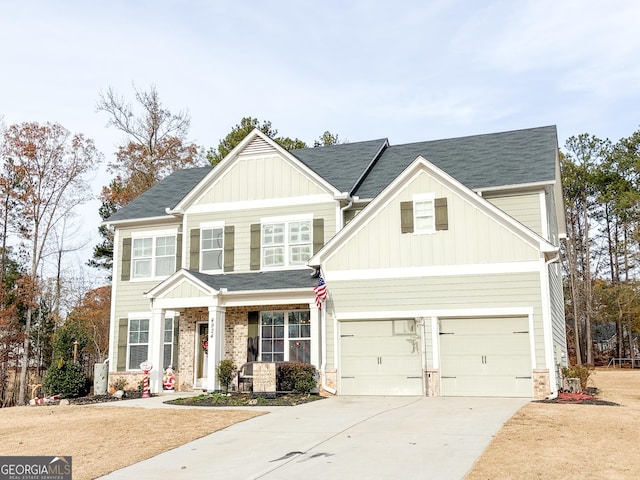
424 213
153 256
138 342
286 242
167 352
211 248
285 336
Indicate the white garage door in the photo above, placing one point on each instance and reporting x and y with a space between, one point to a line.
380 357
485 357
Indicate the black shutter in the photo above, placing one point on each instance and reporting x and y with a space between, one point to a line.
179 252
254 260
125 274
229 239
318 234
441 214
194 257
123 334
406 217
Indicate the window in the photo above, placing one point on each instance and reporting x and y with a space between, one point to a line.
153 256
167 354
211 247
138 345
424 213
285 336
286 244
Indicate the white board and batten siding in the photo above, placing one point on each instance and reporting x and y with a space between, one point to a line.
526 208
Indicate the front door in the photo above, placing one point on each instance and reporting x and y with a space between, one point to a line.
202 349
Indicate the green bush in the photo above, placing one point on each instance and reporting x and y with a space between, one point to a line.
578 371
66 379
295 376
226 371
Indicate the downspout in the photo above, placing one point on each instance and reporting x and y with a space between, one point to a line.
554 394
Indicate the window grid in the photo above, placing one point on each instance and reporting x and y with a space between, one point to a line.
153 256
286 244
168 342
138 343
424 214
211 248
285 336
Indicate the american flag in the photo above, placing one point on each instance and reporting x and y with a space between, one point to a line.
321 292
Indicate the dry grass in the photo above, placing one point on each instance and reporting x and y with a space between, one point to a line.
559 441
100 439
542 440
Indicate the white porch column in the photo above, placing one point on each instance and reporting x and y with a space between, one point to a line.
317 336
216 345
156 343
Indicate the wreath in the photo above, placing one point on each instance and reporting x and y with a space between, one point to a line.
204 341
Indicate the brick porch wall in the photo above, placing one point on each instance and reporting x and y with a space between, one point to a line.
541 384
186 342
237 329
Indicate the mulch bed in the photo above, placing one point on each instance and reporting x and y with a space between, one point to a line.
578 399
246 400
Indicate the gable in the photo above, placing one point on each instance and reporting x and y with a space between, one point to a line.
260 172
477 232
182 285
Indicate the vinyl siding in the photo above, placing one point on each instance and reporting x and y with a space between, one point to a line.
472 237
523 207
260 178
467 292
130 294
243 219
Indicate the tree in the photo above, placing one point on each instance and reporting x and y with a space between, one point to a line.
240 131
52 165
92 316
155 145
327 139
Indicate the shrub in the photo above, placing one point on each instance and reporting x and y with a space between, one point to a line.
66 379
119 383
295 376
226 371
577 371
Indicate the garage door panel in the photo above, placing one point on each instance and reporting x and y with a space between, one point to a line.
374 361
485 357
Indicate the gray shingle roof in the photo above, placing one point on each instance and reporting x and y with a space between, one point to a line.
479 161
165 194
242 282
341 165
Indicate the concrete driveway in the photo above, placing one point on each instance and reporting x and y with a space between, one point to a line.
342 438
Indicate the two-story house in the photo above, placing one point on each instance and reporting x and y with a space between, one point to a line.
441 263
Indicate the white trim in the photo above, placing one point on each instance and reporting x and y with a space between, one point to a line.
544 217
261 204
113 323
142 221
216 224
547 328
515 186
435 343
154 233
303 217
435 271
456 312
424 198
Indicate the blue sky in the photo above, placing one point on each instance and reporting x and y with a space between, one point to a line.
405 70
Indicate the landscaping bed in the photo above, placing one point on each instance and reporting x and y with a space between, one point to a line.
284 399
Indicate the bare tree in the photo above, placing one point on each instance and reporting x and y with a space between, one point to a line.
52 165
